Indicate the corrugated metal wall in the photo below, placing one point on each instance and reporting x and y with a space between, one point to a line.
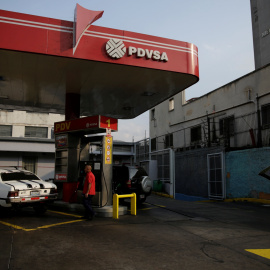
191 175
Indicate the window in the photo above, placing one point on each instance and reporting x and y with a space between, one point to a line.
29 163
195 134
171 104
169 140
154 144
226 126
19 176
52 133
153 114
266 116
36 132
5 131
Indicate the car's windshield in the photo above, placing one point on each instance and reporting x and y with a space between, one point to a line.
18 176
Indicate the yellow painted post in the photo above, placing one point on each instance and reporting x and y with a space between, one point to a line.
115 206
133 204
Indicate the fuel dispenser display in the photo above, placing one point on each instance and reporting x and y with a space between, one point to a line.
72 154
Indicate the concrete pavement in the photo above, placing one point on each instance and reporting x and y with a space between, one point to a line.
165 234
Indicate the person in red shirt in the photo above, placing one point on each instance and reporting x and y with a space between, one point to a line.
89 191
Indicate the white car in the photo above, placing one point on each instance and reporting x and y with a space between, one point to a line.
20 188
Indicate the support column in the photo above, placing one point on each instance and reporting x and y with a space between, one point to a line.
72 111
72 108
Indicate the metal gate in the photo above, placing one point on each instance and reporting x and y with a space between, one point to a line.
165 162
216 178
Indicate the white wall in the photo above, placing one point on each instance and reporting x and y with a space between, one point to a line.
20 119
236 98
13 150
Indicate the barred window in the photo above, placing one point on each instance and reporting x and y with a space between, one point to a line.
36 132
266 116
226 126
5 130
195 134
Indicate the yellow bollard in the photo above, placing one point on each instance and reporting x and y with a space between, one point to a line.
116 198
133 205
115 206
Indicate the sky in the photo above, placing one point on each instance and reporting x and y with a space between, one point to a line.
221 29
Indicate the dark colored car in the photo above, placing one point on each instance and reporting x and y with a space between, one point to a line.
132 179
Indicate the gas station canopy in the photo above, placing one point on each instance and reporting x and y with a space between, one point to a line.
115 73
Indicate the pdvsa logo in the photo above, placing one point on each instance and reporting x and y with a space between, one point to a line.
116 49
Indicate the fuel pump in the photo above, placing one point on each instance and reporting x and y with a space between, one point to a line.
101 167
72 141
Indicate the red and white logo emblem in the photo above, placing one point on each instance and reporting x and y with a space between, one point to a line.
115 48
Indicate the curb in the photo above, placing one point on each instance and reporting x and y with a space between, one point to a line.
162 194
253 200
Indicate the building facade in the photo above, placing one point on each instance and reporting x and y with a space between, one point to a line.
234 116
260 11
27 141
220 141
227 125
